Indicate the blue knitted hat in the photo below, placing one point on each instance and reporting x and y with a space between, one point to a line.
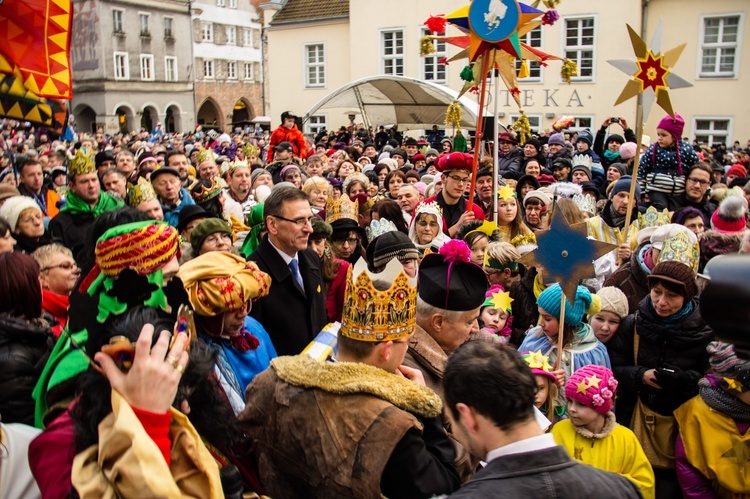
623 184
584 302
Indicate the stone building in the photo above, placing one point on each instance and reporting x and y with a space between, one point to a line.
132 65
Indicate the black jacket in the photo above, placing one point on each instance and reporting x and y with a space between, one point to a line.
681 347
600 145
72 231
525 311
24 349
291 318
545 473
631 279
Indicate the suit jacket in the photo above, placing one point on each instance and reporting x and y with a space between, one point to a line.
292 318
545 473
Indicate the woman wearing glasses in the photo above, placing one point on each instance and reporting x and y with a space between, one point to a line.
58 274
26 222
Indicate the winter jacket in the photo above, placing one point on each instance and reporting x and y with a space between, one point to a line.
229 151
172 213
601 145
511 160
291 135
680 346
713 243
24 349
632 279
50 197
525 311
663 170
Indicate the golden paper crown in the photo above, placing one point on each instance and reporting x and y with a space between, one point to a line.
679 249
506 192
140 192
374 315
237 163
202 193
205 155
81 164
431 207
653 218
336 209
250 150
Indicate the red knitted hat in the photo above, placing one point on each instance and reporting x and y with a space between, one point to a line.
737 170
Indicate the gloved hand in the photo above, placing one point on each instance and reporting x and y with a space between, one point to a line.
673 377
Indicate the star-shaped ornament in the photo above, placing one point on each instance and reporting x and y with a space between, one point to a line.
581 387
593 380
566 253
537 360
506 192
740 451
501 300
650 72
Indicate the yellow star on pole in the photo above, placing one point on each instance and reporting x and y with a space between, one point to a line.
501 300
581 387
593 380
650 73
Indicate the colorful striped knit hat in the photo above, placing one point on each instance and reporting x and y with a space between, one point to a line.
142 246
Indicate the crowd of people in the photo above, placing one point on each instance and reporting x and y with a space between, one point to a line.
352 315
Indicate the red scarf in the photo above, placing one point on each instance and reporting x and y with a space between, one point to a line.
57 305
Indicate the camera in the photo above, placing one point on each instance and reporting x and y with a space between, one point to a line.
614 120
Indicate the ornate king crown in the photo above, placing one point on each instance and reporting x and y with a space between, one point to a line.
431 207
585 203
81 164
250 151
378 228
205 155
343 207
582 160
201 193
679 249
140 192
653 218
374 315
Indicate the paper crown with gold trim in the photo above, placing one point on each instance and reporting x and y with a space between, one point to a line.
585 203
648 223
679 249
336 209
236 164
432 207
376 315
204 190
140 192
378 228
250 150
205 155
81 164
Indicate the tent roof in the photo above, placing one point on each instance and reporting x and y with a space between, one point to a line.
408 102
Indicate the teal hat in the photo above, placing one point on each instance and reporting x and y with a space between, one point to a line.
584 302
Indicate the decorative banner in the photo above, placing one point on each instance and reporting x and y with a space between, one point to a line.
650 72
19 103
566 253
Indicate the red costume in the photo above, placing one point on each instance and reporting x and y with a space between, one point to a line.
291 135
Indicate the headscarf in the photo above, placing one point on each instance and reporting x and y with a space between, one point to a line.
432 209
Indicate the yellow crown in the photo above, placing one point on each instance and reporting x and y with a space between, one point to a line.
81 164
679 249
237 163
653 218
205 155
250 151
506 192
140 192
374 315
336 209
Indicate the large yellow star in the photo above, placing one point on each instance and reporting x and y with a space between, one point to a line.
506 192
593 380
501 300
582 387
733 384
740 451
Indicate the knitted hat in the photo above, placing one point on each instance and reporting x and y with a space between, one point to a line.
400 152
507 137
288 167
620 168
623 184
141 246
539 364
613 300
13 207
220 282
450 281
556 138
582 168
390 245
676 273
533 142
583 303
674 126
737 170
730 217
593 386
614 138
224 137
733 371
257 173
628 150
321 229
205 228
431 152
537 194
585 136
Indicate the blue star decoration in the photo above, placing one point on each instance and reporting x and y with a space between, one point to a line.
566 253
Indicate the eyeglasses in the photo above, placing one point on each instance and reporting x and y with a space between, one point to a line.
490 273
352 241
64 266
460 180
299 222
217 237
698 181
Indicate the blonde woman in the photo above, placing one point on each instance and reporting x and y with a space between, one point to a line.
317 189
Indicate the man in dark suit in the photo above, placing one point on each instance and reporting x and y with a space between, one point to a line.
495 419
294 310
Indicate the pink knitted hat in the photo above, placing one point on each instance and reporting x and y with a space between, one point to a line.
674 126
593 386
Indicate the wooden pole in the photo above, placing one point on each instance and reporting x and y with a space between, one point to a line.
632 202
479 135
560 334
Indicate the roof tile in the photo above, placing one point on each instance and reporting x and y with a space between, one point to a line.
297 11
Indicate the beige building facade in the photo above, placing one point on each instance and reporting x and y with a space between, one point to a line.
313 50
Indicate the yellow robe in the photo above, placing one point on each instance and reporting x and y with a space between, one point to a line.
602 232
619 452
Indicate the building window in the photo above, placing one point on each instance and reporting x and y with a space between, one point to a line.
533 39
170 68
581 123
315 65
719 46
579 46
220 3
232 4
247 37
147 67
535 121
207 32
316 123
231 35
143 19
168 22
432 69
249 73
393 52
122 71
117 25
208 69
232 70
712 130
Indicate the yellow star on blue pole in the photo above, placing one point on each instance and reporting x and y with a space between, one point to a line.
566 253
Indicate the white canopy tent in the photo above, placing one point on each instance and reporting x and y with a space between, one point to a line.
388 100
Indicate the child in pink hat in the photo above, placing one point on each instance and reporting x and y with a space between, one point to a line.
547 399
592 436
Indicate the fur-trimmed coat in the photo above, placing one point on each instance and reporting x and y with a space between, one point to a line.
713 243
